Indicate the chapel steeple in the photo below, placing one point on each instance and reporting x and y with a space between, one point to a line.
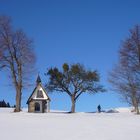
38 80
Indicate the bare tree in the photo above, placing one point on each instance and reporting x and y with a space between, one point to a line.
125 77
17 55
74 80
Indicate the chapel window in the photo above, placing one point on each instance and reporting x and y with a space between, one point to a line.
40 94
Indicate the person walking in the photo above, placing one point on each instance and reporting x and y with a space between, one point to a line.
99 108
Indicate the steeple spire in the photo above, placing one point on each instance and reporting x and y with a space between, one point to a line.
38 80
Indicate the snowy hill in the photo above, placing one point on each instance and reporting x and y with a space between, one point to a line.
63 126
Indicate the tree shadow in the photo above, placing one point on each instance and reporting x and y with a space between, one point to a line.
60 112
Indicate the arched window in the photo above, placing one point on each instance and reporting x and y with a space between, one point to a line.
37 106
40 94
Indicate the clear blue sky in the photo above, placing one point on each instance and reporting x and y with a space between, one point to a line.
83 31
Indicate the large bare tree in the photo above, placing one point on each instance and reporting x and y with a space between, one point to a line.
74 80
125 77
17 56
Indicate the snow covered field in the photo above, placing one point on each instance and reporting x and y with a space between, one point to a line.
63 126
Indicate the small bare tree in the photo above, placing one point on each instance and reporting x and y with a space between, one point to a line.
17 55
125 77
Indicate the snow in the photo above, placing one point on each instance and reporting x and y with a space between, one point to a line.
64 126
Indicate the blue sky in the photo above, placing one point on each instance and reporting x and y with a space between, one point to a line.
84 31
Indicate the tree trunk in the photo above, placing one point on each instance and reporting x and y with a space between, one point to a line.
137 110
73 104
18 100
136 105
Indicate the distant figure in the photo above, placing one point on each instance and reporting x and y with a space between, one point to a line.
99 108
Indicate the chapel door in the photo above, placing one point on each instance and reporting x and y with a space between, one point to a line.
37 107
